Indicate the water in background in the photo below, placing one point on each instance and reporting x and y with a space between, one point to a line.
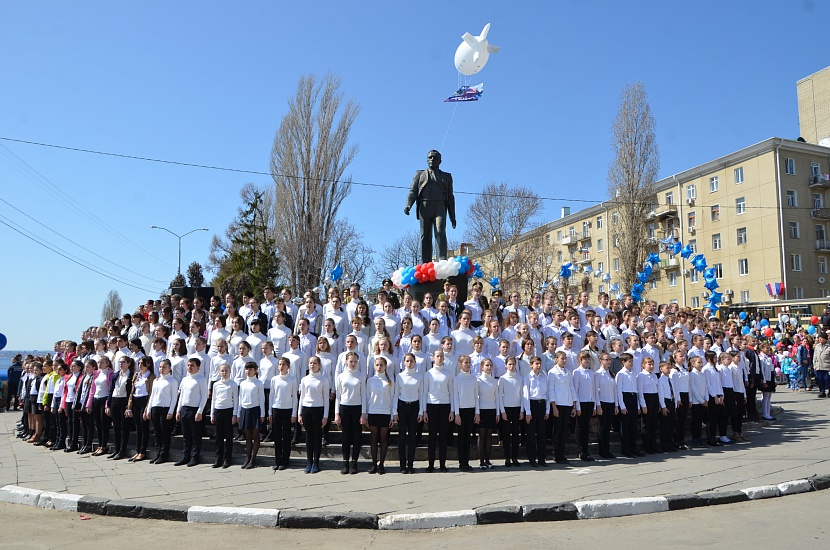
6 357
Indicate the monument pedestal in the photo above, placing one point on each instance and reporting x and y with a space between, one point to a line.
436 287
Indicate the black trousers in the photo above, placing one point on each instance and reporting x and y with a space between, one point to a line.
667 428
727 411
407 431
510 433
712 413
751 409
102 421
120 423
281 432
582 437
350 423
699 412
628 424
467 423
738 417
439 423
48 421
142 427
87 427
681 414
313 424
191 433
223 420
605 421
60 427
73 424
535 444
327 427
561 430
649 435
162 428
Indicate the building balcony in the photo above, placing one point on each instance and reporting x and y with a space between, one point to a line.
583 259
669 263
818 182
584 236
823 245
665 211
569 239
820 213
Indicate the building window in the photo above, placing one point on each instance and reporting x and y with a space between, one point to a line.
651 231
742 235
672 278
690 191
815 169
616 264
792 198
739 175
821 233
718 271
602 288
691 218
694 276
740 205
599 222
713 184
547 238
601 267
695 301
572 231
669 198
818 200
789 166
715 212
559 256
716 241
743 266
823 292
822 264
794 231
615 217
559 236
585 231
744 296
652 284
693 245
599 245
548 260
795 262
798 292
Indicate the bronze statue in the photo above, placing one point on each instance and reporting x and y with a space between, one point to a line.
432 195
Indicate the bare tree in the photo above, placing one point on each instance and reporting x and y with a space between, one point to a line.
112 307
533 265
308 159
404 251
631 177
346 248
496 221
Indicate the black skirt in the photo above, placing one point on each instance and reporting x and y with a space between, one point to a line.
249 418
379 420
487 419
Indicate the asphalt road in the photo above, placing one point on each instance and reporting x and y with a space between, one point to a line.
796 521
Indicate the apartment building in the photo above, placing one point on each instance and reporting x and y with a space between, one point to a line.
759 215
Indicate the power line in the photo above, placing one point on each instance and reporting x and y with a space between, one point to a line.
81 246
31 238
64 197
360 183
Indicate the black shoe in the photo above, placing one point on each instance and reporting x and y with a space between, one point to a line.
443 469
586 458
184 460
281 467
403 469
381 469
113 455
275 467
353 467
544 464
373 469
429 469
226 464
345 469
193 462
532 463
72 449
516 462
639 453
251 465
119 456
629 455
507 463
562 461
217 463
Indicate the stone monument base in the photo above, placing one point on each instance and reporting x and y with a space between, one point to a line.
436 287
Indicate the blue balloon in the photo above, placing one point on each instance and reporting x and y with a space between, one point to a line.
811 329
743 316
764 322
3 340
336 273
745 330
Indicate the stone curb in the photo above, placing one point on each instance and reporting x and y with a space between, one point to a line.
507 513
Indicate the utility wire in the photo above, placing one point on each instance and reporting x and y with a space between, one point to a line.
610 202
71 259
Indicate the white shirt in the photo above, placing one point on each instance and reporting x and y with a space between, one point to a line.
488 393
606 386
466 392
584 381
314 392
164 393
284 393
268 368
410 388
214 365
535 388
379 395
252 395
350 390
279 336
193 392
438 386
646 383
225 396
561 388
462 341
698 392
510 391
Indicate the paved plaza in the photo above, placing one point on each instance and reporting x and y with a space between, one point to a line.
795 447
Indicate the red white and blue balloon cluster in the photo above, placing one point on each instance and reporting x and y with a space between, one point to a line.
405 277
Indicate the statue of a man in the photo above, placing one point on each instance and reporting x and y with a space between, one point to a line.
432 195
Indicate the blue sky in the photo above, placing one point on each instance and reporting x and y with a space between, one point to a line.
207 82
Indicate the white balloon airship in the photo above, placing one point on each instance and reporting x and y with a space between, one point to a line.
472 54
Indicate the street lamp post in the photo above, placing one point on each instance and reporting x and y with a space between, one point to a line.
180 240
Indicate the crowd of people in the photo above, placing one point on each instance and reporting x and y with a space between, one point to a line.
528 372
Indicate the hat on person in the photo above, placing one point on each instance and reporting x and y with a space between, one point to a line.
387 281
822 335
496 292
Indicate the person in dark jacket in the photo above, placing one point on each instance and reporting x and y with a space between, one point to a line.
13 382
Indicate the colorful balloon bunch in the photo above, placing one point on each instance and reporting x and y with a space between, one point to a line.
432 271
